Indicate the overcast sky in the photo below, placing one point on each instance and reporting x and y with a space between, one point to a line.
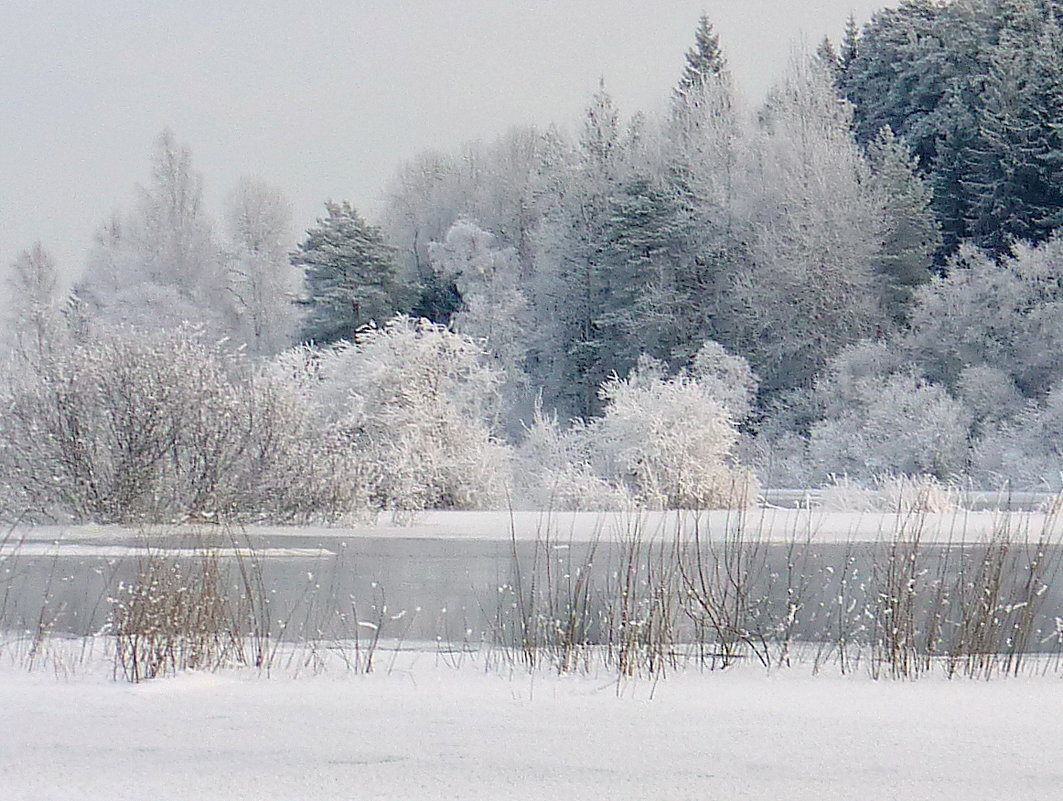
324 99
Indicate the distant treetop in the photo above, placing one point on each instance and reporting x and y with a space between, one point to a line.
704 59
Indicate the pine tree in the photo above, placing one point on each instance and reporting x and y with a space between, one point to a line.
828 57
570 290
1012 194
349 274
642 301
600 138
850 48
911 234
1048 68
703 163
703 61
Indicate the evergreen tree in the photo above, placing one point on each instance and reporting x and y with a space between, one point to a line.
703 61
1009 179
570 289
975 89
349 276
700 176
828 57
850 48
600 142
642 301
1048 68
911 234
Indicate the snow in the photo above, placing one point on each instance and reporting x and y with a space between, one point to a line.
768 524
426 730
60 547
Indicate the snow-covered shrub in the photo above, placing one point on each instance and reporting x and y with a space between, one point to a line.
914 494
101 428
129 425
1025 451
897 425
554 470
124 425
302 471
871 414
670 441
664 442
418 406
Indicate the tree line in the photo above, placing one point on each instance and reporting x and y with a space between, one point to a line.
859 276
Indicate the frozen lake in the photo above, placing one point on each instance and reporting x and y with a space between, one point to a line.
460 578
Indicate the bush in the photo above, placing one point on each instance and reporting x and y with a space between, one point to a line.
418 407
669 442
891 494
127 426
663 442
894 424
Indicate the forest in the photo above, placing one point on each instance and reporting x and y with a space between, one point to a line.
859 279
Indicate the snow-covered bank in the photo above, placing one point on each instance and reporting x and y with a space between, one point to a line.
428 731
767 524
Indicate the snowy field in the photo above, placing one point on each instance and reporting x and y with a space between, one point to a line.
427 730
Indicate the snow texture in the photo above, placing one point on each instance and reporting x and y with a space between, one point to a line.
765 525
427 730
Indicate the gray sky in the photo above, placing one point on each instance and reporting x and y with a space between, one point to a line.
324 99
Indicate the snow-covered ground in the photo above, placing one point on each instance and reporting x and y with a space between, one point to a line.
767 524
428 730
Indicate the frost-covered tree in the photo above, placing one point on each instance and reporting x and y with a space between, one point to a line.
727 378
1008 316
349 276
494 309
827 57
810 289
870 415
850 46
32 286
501 185
163 255
262 280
